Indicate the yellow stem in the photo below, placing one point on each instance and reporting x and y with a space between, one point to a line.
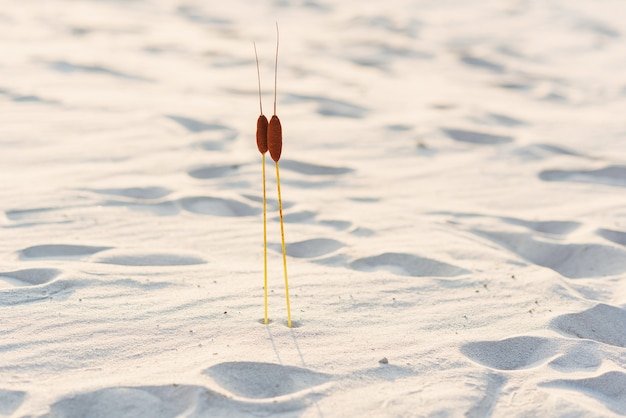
266 320
282 236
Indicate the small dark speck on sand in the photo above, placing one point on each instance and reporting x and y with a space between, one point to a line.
383 360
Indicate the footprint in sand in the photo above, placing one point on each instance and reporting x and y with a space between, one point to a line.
225 173
474 137
10 401
214 135
165 208
313 247
214 171
205 205
512 353
380 54
549 227
584 356
360 231
613 175
27 277
264 380
492 385
305 216
547 249
482 63
545 227
272 204
330 107
41 286
36 216
27 98
502 120
198 15
141 198
21 214
308 217
573 261
111 256
144 259
617 237
336 224
598 28
148 199
170 401
602 323
544 151
313 169
140 193
137 402
59 251
68 67
608 388
387 25
360 199
515 85
195 125
407 265
317 175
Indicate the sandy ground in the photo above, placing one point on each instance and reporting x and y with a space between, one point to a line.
454 189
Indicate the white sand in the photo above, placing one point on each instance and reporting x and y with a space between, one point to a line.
454 185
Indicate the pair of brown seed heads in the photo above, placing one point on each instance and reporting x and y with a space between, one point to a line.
269 136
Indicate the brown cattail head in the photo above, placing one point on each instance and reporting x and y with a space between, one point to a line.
275 138
261 134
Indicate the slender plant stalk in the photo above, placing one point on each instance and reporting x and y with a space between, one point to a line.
282 236
266 319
